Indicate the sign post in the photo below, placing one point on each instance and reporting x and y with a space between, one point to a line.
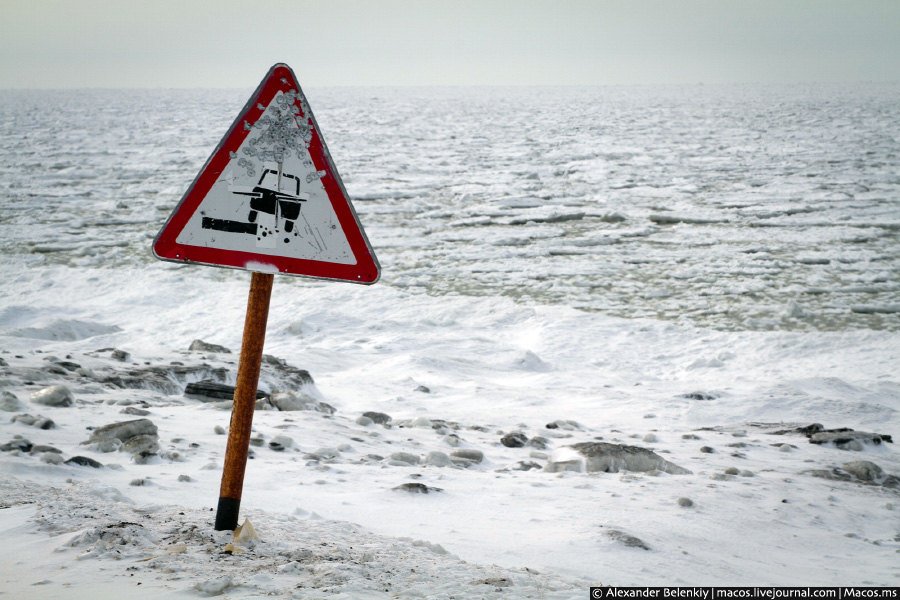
268 200
244 401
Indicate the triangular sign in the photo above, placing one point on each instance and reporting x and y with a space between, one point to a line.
269 198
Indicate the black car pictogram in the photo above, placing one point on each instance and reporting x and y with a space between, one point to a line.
275 203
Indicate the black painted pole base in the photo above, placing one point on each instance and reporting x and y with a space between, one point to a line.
227 514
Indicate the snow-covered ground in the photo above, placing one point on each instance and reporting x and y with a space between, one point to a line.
651 267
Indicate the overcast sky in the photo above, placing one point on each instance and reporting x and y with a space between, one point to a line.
231 43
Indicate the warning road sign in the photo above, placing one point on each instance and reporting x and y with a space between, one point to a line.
270 199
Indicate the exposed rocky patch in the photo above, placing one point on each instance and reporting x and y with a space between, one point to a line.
293 401
516 439
84 461
538 442
140 444
201 346
212 391
403 459
138 437
280 443
38 421
170 379
843 438
55 395
283 375
523 466
859 471
604 457
416 488
377 417
566 424
701 396
466 457
849 440
865 470
17 444
123 431
9 402
626 539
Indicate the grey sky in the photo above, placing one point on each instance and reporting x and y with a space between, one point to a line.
230 43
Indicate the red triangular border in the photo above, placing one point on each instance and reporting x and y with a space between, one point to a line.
165 247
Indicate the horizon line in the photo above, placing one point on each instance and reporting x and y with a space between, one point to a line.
471 85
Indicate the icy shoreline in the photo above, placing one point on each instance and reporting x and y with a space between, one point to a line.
758 500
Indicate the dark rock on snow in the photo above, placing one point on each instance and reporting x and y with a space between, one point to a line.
626 539
140 443
124 431
861 471
538 442
290 376
280 442
16 444
211 391
377 417
291 401
41 448
516 439
83 461
201 346
564 424
842 437
865 470
55 369
168 380
524 466
68 365
700 396
120 355
849 439
38 421
416 488
612 458
55 395
143 457
497 582
466 457
467 454
9 402
810 429
405 457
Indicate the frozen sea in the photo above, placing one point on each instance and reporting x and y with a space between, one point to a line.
674 267
733 208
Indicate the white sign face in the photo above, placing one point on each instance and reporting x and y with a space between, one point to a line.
271 208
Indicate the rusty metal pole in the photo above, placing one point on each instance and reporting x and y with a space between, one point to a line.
244 401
